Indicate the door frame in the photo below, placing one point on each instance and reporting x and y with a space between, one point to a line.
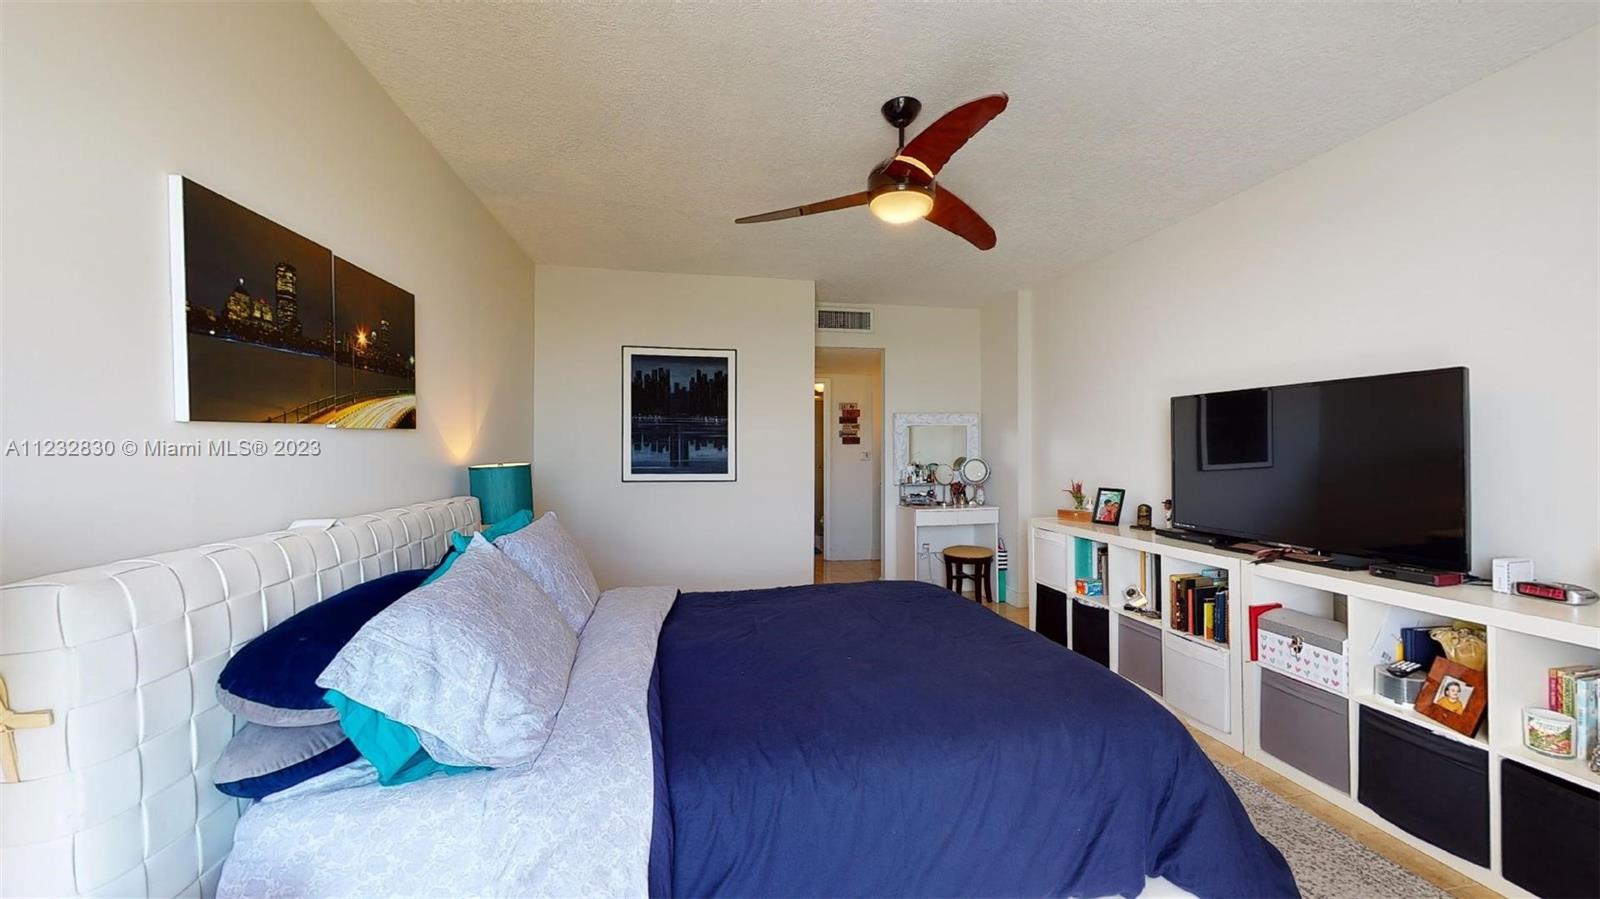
827 464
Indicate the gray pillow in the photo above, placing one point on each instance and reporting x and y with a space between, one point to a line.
551 557
476 662
262 760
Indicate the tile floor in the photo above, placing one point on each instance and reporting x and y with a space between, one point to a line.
1435 872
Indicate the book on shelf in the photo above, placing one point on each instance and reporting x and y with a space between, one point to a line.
1255 613
1563 687
1199 604
1082 556
1586 712
1202 599
1417 645
1182 595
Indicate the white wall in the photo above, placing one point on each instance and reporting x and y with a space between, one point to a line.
752 532
265 105
931 363
1462 234
855 503
1002 445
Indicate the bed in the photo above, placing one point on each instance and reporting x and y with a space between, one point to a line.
892 738
883 739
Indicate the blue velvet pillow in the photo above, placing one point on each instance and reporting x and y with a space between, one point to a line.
516 521
273 679
260 761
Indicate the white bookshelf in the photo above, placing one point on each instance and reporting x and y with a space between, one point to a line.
1053 558
1526 637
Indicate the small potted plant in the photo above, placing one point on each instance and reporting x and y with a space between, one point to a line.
1079 512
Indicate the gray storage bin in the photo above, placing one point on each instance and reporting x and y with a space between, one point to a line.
1306 727
1139 653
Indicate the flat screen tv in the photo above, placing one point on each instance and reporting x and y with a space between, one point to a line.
1371 467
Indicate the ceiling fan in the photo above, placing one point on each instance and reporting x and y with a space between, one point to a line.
903 188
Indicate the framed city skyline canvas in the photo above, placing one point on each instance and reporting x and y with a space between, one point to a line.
678 414
270 326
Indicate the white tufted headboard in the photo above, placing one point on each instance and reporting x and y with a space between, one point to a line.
115 796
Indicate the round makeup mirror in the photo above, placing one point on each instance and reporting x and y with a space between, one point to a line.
943 474
973 471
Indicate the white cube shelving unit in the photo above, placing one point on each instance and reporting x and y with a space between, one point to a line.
1206 691
1526 637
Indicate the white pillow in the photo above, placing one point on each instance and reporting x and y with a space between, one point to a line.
551 557
476 662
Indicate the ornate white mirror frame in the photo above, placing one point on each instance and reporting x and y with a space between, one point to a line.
904 421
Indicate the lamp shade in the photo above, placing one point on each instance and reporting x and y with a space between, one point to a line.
502 488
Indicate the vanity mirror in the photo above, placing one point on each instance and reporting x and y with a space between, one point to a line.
973 471
937 443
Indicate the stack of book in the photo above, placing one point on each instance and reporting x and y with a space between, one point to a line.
1199 604
1575 692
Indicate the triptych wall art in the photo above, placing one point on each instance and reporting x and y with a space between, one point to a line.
269 326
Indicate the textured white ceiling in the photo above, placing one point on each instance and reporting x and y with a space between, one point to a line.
630 135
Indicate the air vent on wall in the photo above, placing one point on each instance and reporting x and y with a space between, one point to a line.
843 318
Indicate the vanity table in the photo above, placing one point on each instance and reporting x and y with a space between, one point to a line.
936 527
922 532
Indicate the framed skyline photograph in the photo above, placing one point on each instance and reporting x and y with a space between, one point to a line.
678 414
376 372
270 326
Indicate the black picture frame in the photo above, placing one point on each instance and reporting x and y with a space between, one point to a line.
714 430
1104 496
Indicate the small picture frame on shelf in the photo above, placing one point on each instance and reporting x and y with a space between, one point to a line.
1108 505
1454 696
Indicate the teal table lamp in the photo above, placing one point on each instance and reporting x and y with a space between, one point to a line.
502 488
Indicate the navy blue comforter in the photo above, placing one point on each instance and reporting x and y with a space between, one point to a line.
892 739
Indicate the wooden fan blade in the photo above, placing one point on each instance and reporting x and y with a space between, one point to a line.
954 215
844 202
940 141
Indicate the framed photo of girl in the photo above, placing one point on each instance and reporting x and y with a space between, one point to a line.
1454 696
1108 505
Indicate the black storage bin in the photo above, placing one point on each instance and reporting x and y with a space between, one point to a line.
1427 785
1050 613
1307 727
1549 833
1139 653
1091 632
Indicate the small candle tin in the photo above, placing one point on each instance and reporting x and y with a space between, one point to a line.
1549 733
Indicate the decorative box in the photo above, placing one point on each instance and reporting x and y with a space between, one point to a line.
1305 647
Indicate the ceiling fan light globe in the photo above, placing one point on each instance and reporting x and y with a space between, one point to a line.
903 205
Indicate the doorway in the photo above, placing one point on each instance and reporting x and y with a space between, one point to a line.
848 412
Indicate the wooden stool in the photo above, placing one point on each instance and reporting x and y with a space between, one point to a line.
981 558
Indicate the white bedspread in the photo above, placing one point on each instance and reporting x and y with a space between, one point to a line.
574 822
